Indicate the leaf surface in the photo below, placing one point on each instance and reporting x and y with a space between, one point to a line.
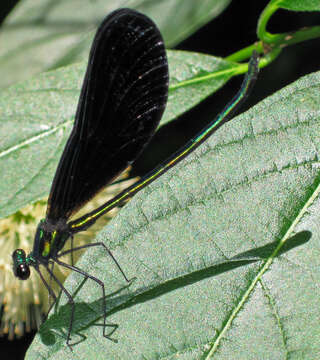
41 35
225 248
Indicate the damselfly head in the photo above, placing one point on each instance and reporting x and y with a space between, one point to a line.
20 267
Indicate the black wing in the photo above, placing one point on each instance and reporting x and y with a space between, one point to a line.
123 97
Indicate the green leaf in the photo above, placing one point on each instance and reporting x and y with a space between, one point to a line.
225 247
297 5
37 116
46 34
178 19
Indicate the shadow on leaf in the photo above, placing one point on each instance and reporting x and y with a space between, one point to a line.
220 267
86 314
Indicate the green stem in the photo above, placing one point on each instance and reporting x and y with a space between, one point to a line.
238 69
245 53
284 39
271 44
269 57
262 23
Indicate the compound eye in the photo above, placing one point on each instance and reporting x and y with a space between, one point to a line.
22 272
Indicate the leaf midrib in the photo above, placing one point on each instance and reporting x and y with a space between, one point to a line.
35 138
263 269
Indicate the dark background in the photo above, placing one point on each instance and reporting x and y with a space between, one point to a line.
231 31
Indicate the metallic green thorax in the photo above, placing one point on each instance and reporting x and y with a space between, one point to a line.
50 239
47 243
